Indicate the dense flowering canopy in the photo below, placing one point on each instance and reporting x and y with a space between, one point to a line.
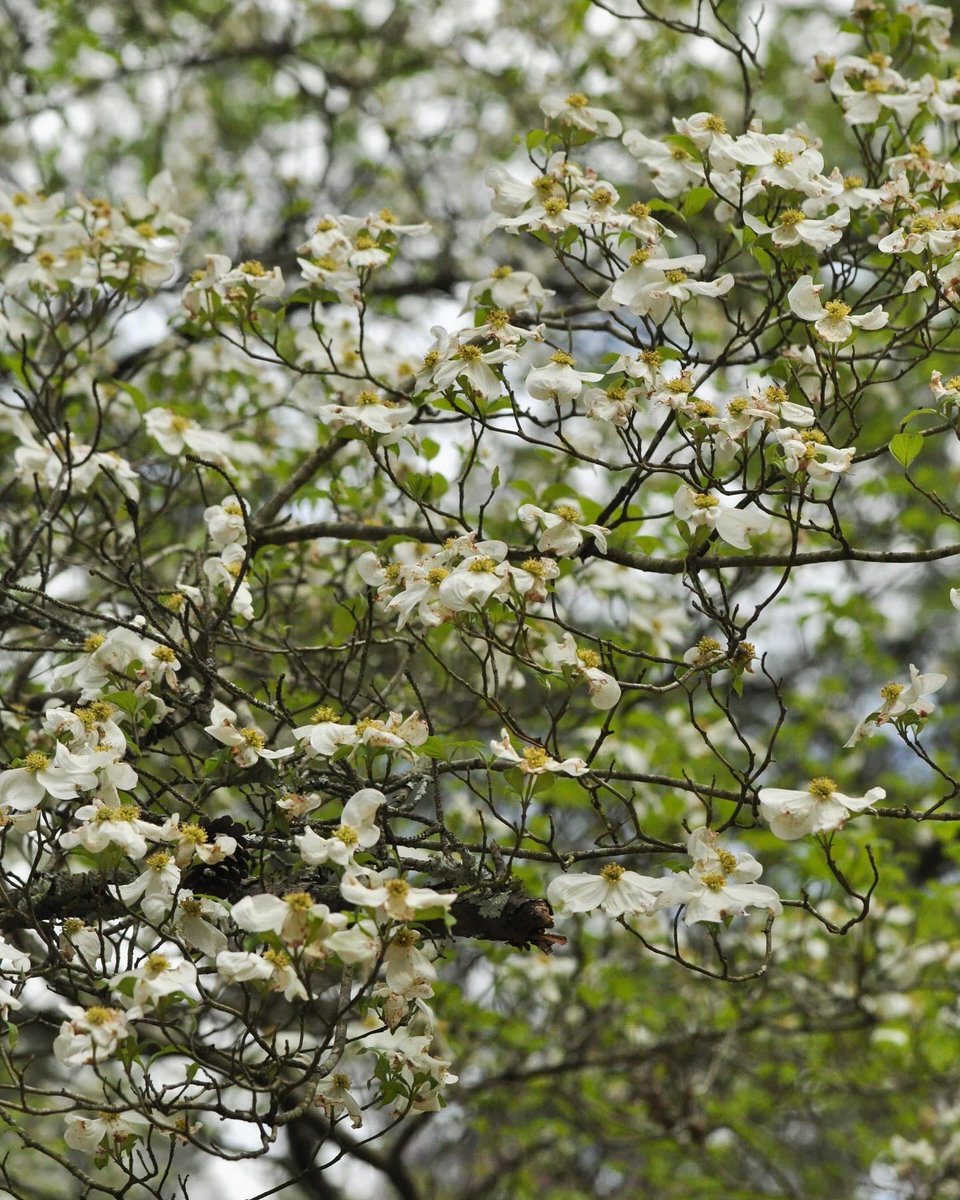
348 635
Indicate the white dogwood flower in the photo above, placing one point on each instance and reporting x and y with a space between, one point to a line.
833 321
614 891
818 809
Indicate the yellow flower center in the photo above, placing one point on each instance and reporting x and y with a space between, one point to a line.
348 835
534 566
566 512
252 266
501 272
852 181
253 737
924 224
563 358
727 860
639 210
837 309
35 761
554 205
639 257
705 500
715 124
193 835
678 275
156 964
93 642
715 880
480 565
437 575
157 862
821 788
589 658
164 654
100 1015
612 872
535 757
782 158
791 217
470 353
398 888
577 100
891 691
279 958
299 901
366 398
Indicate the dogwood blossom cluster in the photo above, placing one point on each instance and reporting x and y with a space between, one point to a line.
720 884
464 575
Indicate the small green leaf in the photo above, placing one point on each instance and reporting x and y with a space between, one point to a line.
905 447
695 200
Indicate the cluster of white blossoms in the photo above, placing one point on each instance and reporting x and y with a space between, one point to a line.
91 243
61 464
341 251
462 576
327 733
721 883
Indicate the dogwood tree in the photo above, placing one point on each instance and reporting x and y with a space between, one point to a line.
469 715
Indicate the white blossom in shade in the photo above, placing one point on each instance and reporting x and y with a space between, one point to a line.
297 805
225 571
291 917
653 283
614 890
793 228
157 884
254 277
23 788
360 944
818 809
325 734
575 110
205 284
109 1131
535 760
616 403
832 321
719 885
243 966
559 380
333 1097
246 744
191 841
406 967
78 939
194 921
103 654
390 895
807 450
358 831
707 854
225 522
372 412
733 525
108 825
672 168
509 289
474 581
563 529
929 231
91 1034
160 974
177 434
898 699
12 961
459 357
604 689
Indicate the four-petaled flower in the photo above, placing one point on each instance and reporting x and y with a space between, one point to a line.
818 809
